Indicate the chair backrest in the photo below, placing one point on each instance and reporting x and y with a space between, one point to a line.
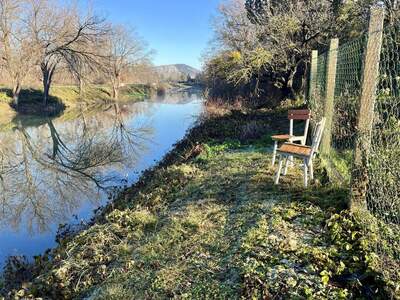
300 114
317 136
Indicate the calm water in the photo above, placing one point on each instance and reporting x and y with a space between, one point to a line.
58 171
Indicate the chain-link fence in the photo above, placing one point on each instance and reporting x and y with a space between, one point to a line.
318 91
338 160
347 93
383 197
353 92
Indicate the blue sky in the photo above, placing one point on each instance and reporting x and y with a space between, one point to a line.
178 30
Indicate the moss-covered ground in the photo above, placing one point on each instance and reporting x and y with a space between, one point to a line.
208 223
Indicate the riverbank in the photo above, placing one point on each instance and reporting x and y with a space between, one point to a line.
208 222
62 97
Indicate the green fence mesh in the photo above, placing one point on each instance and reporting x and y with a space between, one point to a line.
383 162
349 67
346 103
321 74
318 95
347 91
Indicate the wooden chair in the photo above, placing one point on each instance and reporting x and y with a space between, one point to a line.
306 153
300 114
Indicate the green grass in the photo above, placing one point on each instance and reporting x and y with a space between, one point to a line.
31 99
212 225
99 93
69 94
27 95
5 97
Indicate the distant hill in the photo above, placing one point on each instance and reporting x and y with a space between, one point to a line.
176 72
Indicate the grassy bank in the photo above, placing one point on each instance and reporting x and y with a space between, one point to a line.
208 223
6 114
30 101
70 94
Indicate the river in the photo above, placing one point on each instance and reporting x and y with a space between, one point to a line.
58 171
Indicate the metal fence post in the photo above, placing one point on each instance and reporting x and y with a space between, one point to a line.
330 95
365 118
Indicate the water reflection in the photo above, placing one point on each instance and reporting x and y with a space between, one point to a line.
46 172
51 170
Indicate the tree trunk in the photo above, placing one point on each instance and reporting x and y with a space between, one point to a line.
46 85
55 139
46 90
81 87
290 81
116 85
289 85
115 92
15 93
117 109
47 79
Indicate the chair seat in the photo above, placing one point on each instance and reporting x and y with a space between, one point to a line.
295 149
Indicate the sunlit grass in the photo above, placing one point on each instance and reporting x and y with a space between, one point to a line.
214 226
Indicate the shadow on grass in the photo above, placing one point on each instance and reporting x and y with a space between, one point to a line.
31 103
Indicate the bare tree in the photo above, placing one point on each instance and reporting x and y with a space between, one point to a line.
61 35
233 29
290 29
82 68
79 71
17 56
269 41
124 51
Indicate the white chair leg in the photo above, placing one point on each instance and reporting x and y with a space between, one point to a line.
274 153
311 170
291 160
305 174
278 173
286 166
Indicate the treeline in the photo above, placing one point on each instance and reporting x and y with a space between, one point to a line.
261 50
43 39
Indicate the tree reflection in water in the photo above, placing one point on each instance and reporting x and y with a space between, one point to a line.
47 172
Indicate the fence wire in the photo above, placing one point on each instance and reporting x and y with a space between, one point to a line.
346 103
383 162
318 94
347 91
